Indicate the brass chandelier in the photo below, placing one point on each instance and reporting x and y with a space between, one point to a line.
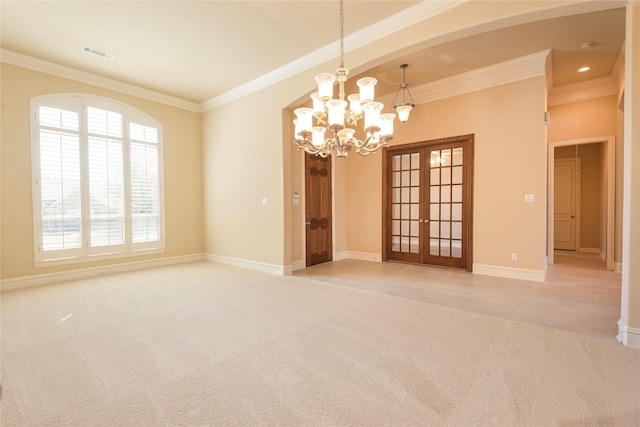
332 115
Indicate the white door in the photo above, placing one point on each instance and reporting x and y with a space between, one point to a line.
564 204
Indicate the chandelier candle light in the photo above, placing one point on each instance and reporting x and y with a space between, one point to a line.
332 115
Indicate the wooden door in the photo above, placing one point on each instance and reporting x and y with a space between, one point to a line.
428 203
564 204
318 209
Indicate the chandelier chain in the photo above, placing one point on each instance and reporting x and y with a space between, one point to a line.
341 34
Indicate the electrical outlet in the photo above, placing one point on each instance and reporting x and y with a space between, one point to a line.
514 256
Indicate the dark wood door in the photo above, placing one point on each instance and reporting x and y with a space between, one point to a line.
428 203
318 209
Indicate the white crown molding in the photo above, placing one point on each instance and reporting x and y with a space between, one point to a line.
514 70
392 24
596 88
618 68
24 61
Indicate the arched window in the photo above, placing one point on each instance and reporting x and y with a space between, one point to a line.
97 179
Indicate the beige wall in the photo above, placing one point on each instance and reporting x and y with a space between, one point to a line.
182 171
509 142
583 119
243 166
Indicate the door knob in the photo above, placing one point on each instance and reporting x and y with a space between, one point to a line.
573 216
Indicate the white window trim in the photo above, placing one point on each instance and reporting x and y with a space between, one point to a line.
87 254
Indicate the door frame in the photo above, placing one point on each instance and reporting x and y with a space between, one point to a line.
610 150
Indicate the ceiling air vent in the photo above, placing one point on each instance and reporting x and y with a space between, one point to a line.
97 52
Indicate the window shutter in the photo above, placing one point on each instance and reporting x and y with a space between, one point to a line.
145 183
106 179
59 178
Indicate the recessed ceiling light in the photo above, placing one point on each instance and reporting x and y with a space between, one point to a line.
98 52
583 69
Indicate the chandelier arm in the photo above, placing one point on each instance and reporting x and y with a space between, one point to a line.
368 150
308 147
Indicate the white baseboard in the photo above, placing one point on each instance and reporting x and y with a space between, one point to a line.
339 256
298 265
509 272
593 251
618 267
628 336
65 276
251 265
364 256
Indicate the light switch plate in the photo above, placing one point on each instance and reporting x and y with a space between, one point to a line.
529 198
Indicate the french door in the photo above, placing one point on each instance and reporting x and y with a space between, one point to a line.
428 210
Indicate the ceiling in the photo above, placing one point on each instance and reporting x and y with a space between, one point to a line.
200 50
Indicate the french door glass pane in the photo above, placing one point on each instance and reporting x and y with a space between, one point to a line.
456 211
457 193
395 179
445 174
456 249
445 193
445 211
415 211
405 211
456 230
435 176
456 177
445 158
435 211
434 247
457 156
415 245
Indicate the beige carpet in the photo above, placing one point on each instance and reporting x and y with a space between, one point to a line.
207 344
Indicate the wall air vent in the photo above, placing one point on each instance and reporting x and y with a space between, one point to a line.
97 52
